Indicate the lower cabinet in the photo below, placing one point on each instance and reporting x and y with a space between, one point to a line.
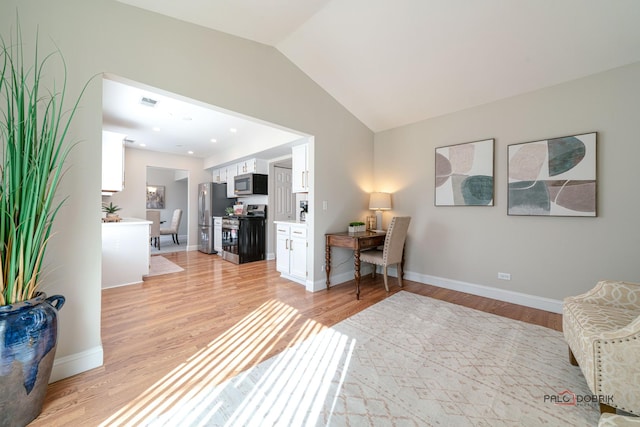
217 234
291 251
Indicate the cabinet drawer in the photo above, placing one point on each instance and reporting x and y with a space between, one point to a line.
299 232
282 229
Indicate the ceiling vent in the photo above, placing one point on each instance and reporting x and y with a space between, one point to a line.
148 102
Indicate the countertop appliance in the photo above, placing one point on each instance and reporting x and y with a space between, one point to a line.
250 184
243 236
304 209
212 201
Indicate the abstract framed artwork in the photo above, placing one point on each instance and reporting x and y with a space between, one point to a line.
553 177
464 174
155 196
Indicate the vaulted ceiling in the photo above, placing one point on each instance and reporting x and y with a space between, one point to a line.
397 62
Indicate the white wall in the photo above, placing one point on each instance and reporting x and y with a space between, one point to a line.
105 36
548 257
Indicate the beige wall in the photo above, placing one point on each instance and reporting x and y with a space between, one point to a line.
548 257
132 198
104 36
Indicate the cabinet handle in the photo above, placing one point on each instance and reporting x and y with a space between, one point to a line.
297 232
286 244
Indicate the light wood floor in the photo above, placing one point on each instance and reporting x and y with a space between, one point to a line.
152 332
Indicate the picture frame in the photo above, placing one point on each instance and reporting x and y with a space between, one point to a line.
155 196
464 174
553 177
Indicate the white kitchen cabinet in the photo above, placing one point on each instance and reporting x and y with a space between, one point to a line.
291 251
217 234
300 168
232 171
253 166
112 162
220 175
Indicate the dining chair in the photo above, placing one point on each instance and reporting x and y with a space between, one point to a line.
392 251
154 229
173 228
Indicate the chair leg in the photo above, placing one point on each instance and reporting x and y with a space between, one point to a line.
400 274
606 409
386 284
373 273
572 358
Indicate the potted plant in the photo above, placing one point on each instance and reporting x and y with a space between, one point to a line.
356 227
111 210
34 122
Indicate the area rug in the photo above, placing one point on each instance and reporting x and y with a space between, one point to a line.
160 265
408 360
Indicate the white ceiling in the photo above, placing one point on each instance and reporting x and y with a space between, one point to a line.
183 126
397 62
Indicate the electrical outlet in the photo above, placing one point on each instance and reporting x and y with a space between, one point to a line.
504 276
323 266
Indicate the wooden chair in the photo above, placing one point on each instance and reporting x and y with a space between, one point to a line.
392 251
154 230
173 228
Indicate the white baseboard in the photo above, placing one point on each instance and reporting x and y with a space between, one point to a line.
533 301
65 367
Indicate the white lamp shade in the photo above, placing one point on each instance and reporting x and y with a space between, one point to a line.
380 201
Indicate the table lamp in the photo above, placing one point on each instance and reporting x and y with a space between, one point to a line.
379 202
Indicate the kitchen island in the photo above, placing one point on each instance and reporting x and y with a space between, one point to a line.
125 252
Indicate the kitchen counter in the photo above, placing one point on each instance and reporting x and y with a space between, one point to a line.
291 222
125 252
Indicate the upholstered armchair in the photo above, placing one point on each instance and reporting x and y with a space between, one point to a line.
602 328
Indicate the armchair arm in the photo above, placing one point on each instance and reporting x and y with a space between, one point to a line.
629 332
612 293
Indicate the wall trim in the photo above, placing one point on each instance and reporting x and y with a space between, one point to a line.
533 301
67 366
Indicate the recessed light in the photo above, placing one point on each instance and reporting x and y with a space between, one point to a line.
156 129
143 145
233 130
190 152
214 140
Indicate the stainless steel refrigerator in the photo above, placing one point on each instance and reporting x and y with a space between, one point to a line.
212 201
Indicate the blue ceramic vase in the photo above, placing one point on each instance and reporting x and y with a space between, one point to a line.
28 338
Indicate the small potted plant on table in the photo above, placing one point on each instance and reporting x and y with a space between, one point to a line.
356 227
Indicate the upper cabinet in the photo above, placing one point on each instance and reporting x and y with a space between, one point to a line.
220 175
300 168
232 171
112 162
253 166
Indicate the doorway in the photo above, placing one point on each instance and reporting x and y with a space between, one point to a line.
175 187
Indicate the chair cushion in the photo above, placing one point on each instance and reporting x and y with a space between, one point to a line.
372 256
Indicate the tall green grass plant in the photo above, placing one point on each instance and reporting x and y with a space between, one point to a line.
33 129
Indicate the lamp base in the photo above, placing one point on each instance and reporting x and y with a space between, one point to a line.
379 220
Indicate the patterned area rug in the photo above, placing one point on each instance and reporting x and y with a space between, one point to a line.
407 361
160 265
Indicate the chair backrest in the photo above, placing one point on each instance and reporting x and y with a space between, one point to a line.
155 227
175 220
394 241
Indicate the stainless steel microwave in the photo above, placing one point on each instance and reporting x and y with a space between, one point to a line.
249 184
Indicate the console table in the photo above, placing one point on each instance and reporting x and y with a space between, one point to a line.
355 241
